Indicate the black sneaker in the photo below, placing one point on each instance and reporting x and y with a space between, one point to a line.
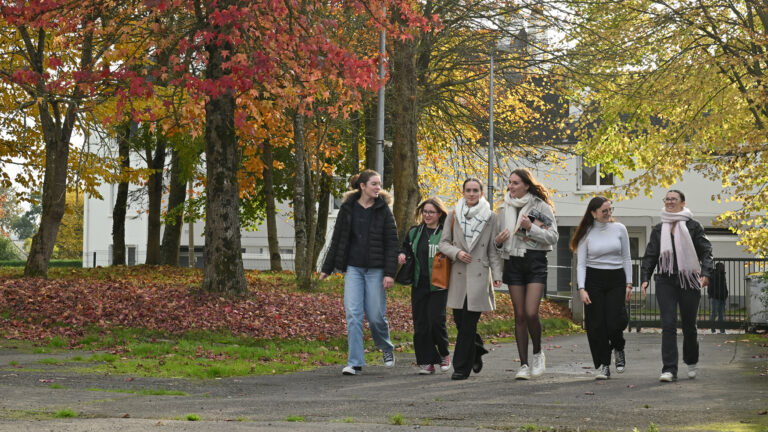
621 362
389 359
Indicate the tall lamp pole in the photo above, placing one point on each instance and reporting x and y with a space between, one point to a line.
490 137
380 119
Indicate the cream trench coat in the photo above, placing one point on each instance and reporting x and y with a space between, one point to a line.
472 281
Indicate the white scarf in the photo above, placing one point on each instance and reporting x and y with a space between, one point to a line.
472 219
685 253
512 218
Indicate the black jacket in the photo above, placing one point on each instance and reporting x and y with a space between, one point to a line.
718 287
382 236
700 243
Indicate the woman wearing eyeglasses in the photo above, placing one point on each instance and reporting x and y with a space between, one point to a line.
468 241
604 276
683 254
428 302
527 231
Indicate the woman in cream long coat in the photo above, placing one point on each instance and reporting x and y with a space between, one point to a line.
470 292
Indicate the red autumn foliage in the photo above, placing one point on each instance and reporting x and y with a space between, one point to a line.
160 299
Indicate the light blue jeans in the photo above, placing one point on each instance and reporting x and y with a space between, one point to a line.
364 293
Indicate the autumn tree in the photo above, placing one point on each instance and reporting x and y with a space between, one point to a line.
439 94
57 62
668 87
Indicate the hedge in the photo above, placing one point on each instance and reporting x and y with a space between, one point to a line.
53 263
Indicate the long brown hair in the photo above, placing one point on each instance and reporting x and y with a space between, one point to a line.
437 203
587 221
363 177
534 187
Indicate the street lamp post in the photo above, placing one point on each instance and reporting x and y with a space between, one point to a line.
380 119
490 137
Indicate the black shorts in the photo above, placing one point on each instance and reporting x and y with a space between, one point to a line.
531 268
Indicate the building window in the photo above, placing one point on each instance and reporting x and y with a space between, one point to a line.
286 251
590 176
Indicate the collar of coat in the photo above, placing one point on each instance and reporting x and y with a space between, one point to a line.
385 198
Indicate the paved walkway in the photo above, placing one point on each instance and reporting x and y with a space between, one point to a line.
730 393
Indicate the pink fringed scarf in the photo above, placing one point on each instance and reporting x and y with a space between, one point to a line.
687 260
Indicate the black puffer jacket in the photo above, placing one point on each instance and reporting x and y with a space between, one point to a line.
382 236
700 243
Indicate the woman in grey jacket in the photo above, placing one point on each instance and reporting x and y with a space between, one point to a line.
527 231
470 246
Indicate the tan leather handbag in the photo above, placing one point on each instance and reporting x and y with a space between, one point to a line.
441 265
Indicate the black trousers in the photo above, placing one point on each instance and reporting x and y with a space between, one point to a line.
670 296
430 334
469 344
606 318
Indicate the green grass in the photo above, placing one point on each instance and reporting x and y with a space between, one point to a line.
206 355
58 342
397 419
56 386
192 417
65 413
50 361
294 418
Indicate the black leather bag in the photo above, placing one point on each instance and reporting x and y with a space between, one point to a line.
404 275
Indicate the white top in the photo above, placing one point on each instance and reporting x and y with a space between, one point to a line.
606 247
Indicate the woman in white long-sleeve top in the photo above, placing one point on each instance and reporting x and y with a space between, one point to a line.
467 240
604 275
527 231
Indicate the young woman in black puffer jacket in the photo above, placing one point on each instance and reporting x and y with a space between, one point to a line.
364 246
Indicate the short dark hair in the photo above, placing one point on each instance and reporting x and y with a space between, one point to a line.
682 195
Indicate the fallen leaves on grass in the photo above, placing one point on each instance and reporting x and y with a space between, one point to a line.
164 299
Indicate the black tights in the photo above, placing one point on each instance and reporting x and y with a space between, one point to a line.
526 300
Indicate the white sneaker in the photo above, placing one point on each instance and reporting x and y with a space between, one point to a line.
692 371
445 363
667 377
603 372
349 370
539 364
524 373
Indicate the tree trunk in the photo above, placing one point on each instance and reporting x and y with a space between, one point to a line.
223 270
303 269
405 114
191 237
324 200
121 201
56 136
176 197
57 132
155 194
275 262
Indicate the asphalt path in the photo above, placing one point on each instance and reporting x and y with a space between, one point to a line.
729 393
